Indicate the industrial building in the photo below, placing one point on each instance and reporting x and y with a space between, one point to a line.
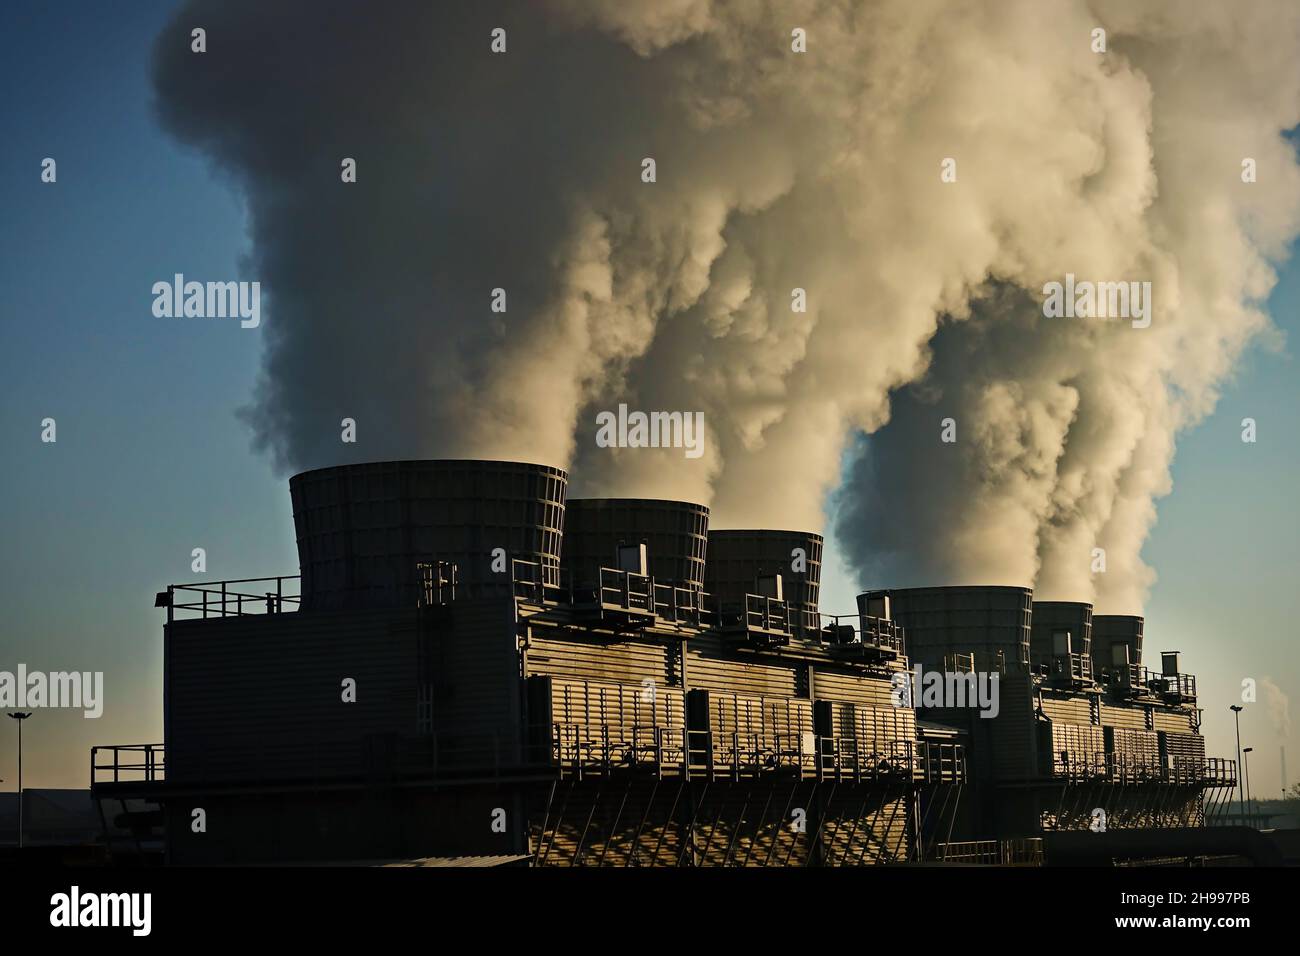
1086 738
471 664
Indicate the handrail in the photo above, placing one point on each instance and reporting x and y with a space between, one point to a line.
1023 851
1170 685
757 615
1072 667
218 599
562 746
1143 768
149 763
959 663
878 632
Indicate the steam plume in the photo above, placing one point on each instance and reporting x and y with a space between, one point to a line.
776 170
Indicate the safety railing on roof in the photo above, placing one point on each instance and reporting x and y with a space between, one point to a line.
757 617
626 590
1072 668
230 598
271 761
863 630
1123 678
683 605
1174 686
127 763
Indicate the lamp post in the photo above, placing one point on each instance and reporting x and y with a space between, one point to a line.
20 717
1249 802
1236 715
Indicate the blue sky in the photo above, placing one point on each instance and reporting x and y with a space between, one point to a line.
151 461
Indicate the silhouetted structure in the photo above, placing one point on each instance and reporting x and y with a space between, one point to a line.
1085 737
475 667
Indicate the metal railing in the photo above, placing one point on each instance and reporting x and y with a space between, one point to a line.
1134 768
1143 768
758 614
1075 668
1210 771
959 663
626 590
1129 678
1180 686
230 598
127 763
389 757
1077 765
863 630
1026 851
564 749
682 605
588 749
437 582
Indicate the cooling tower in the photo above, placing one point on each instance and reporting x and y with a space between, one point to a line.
676 534
737 558
363 529
1053 617
1111 629
983 620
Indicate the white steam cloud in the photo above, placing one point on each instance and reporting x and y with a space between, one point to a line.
1278 707
776 170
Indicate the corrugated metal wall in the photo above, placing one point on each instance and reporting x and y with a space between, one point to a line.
707 669
1013 740
1073 710
1142 744
477 657
764 716
598 703
853 688
1175 721
880 725
260 696
627 663
1134 718
1187 746
1083 743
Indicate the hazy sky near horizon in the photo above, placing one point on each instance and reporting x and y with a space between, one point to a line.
151 460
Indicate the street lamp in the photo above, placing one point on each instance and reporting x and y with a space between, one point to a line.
20 717
1236 714
1249 802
